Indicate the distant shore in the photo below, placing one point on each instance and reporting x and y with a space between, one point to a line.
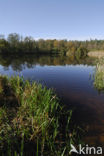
98 54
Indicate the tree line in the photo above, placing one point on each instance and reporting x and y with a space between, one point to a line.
15 43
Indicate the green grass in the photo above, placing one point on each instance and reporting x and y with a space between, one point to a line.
32 121
99 75
99 80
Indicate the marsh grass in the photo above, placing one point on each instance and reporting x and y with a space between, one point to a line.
99 75
32 121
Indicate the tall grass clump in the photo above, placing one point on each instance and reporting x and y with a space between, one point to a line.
99 75
32 122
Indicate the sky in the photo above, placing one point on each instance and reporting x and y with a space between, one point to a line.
53 19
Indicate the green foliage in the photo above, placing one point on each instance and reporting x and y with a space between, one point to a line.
99 81
13 39
4 46
81 53
99 75
31 120
17 44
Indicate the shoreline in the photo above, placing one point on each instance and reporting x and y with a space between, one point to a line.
97 54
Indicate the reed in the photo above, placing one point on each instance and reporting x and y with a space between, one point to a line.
32 120
99 75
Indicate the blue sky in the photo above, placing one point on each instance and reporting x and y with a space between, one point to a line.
60 19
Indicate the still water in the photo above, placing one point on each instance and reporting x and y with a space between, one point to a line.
72 81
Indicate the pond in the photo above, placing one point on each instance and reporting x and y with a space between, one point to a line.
71 80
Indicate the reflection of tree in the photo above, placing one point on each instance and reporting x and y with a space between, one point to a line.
16 67
20 62
6 68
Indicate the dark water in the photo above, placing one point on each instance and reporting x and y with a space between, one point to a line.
71 80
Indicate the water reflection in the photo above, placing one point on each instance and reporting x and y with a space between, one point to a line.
71 81
20 62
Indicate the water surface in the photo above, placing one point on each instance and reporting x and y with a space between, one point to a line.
71 80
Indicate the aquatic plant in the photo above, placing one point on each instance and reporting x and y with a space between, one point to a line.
32 121
99 75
